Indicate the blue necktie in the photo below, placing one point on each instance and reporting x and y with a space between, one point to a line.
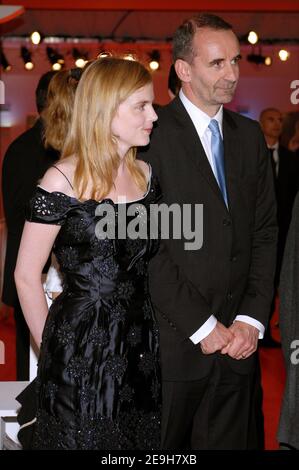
218 156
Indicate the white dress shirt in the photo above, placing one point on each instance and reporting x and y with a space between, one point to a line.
201 122
275 148
53 281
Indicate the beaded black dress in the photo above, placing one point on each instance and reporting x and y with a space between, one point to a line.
98 381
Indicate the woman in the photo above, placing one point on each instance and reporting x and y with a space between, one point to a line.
57 117
58 113
98 375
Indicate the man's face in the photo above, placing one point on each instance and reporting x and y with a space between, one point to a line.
271 123
214 70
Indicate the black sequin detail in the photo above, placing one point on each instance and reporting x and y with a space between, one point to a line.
116 366
134 336
147 362
51 389
98 433
77 367
126 394
65 334
98 336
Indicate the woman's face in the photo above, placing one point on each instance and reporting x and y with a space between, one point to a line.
133 122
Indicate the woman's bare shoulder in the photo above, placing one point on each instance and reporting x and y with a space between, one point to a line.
59 177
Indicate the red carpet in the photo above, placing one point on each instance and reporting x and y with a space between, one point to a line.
273 379
7 339
273 375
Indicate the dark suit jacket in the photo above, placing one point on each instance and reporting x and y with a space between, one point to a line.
25 162
288 430
286 187
233 271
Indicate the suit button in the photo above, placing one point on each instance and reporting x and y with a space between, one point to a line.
229 296
226 222
233 259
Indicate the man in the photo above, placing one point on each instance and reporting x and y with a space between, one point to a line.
288 429
25 162
212 303
285 167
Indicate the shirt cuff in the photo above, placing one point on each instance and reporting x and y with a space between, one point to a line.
251 321
204 330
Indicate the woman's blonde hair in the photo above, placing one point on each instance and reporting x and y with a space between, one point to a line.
58 113
106 83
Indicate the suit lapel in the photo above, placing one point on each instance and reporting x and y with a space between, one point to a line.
232 161
187 135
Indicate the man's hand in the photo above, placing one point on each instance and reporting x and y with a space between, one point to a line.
219 338
245 340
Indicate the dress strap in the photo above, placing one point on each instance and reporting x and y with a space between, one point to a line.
150 173
54 166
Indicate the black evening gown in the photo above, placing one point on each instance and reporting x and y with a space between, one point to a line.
98 381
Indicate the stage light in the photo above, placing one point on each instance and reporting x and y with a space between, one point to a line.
252 37
283 55
4 62
268 60
81 58
155 57
259 59
56 59
129 57
103 54
35 37
256 58
26 56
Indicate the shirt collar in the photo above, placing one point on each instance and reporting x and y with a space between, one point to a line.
275 146
200 119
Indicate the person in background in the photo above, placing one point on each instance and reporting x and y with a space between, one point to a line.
57 117
212 303
285 167
25 162
99 373
288 429
294 141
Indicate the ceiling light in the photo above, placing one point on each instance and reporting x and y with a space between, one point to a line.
4 62
283 55
129 57
268 60
35 37
259 59
103 54
256 58
155 57
81 58
56 59
26 56
252 37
